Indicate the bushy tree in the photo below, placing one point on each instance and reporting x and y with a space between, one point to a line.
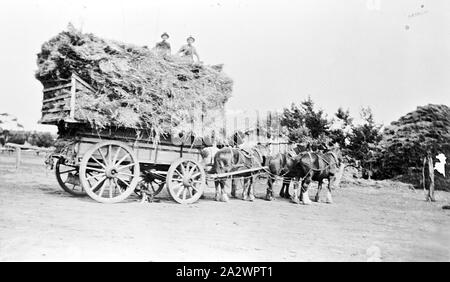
304 121
341 128
41 139
364 140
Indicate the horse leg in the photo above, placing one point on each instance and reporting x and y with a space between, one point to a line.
331 184
286 187
296 193
319 188
233 188
282 188
304 193
224 196
251 189
269 192
329 198
245 189
217 183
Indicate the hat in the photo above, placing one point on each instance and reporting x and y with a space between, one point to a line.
190 37
165 33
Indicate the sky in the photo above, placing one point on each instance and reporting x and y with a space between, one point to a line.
390 55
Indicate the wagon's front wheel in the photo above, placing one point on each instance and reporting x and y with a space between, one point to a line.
186 181
109 172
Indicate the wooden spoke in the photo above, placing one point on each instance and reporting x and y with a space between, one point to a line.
127 174
110 188
95 159
193 187
123 181
191 171
178 173
103 188
184 193
121 160
67 171
103 157
196 175
109 154
183 170
95 169
179 191
125 166
95 176
116 155
99 183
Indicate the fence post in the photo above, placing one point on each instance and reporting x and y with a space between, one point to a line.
18 156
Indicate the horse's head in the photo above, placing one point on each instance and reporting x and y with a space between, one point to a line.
208 154
337 153
264 151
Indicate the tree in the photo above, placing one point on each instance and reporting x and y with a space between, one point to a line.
341 128
364 140
304 121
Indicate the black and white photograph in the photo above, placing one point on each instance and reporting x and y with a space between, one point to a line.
225 131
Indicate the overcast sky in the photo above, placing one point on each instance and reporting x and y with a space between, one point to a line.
389 55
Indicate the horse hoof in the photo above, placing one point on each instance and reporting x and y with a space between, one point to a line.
269 198
287 196
282 195
329 202
316 199
295 200
306 202
252 198
225 198
217 198
233 195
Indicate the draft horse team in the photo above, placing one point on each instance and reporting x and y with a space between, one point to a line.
299 165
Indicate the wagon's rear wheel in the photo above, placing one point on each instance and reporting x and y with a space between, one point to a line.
186 181
109 172
68 178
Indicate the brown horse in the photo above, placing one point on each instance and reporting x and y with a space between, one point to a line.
316 166
234 159
284 165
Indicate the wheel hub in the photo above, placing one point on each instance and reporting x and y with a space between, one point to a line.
111 172
187 181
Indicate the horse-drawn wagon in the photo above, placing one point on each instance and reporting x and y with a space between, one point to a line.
109 164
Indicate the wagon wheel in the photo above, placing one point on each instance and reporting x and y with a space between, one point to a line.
68 178
186 181
150 183
109 172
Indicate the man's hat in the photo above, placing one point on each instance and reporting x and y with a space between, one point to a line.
190 37
165 33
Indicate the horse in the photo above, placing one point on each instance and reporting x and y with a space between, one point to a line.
283 165
317 166
230 159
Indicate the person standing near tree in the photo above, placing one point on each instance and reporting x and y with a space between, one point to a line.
163 47
188 51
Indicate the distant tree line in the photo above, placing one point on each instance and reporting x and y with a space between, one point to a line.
40 139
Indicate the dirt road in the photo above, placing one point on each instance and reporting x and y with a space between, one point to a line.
38 221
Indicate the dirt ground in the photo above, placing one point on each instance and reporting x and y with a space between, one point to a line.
40 222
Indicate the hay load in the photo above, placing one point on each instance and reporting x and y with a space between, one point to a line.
133 87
